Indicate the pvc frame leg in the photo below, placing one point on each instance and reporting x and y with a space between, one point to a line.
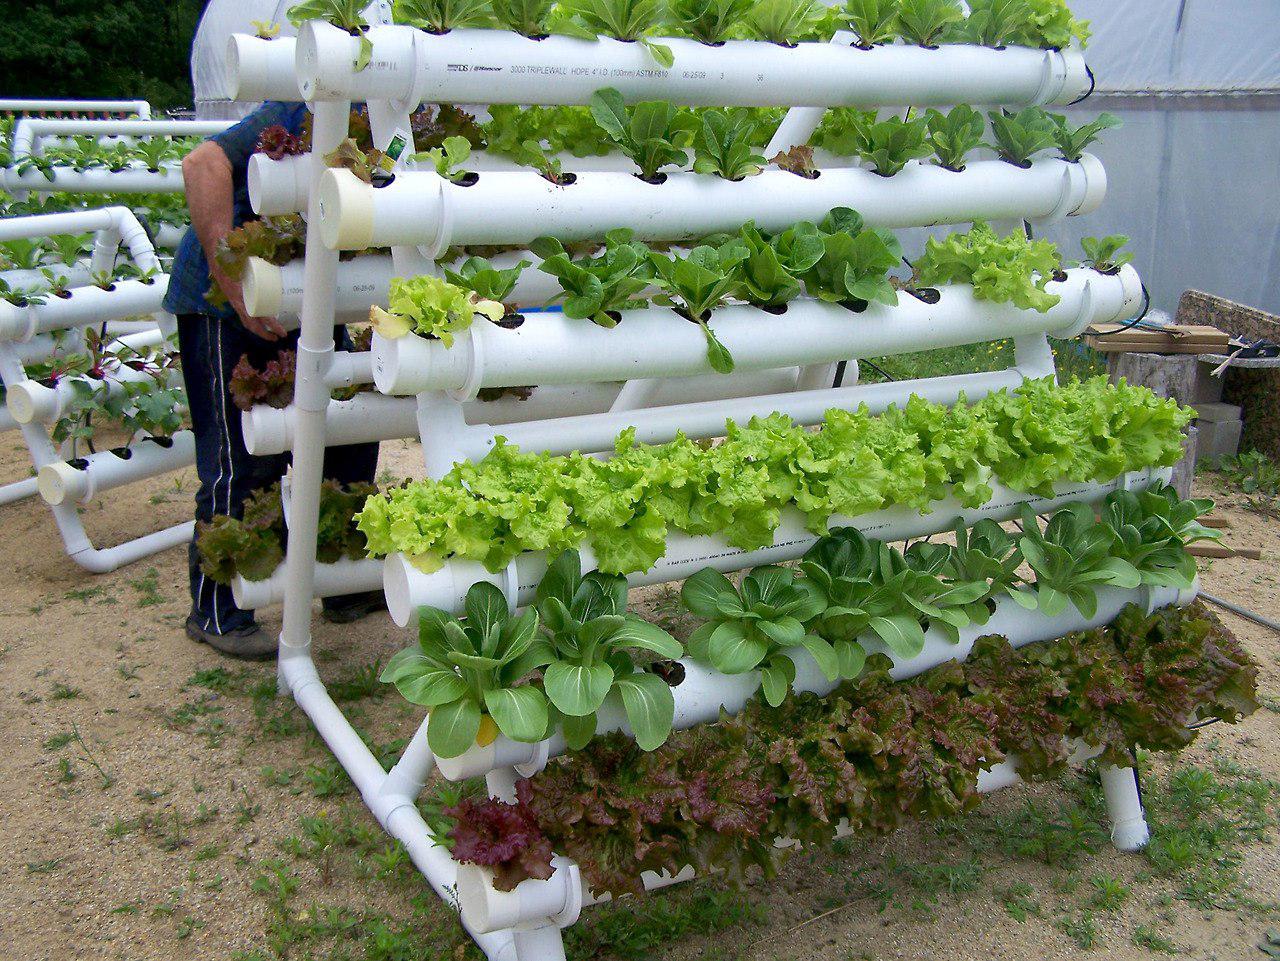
1129 831
18 490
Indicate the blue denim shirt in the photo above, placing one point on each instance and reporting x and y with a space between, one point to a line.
189 277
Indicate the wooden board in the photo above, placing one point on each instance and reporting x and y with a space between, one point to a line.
1222 550
1174 339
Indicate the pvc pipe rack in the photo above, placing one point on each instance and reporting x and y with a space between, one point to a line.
408 588
26 337
78 107
410 66
421 208
659 342
419 214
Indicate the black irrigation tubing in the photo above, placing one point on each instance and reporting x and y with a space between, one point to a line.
1241 611
1146 306
1093 85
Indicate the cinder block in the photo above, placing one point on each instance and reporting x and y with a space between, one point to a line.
1218 413
1218 439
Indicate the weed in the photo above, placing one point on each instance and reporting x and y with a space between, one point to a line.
247 809
1080 929
44 867
1145 936
148 588
1108 893
362 682
90 759
63 692
1018 900
1057 839
58 741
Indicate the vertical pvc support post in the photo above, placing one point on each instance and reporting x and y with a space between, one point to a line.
1129 831
796 128
311 398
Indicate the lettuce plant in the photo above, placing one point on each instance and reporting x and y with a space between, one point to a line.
771 273
585 620
855 262
1052 24
1153 528
1008 269
563 129
526 17
441 16
485 281
1106 254
874 21
448 158
985 552
888 145
431 307
530 153
927 22
347 15
708 21
757 626
699 282
1072 141
842 130
721 146
503 837
1020 136
273 385
953 136
646 132
465 671
598 287
627 20
798 160
1072 557
996 23
784 22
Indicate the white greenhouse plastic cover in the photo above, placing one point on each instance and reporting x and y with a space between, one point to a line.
221 19
1194 177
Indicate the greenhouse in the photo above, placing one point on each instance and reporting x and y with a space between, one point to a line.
539 480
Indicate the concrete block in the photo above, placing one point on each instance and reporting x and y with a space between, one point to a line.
1217 439
1218 413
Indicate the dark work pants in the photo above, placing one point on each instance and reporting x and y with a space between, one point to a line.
210 349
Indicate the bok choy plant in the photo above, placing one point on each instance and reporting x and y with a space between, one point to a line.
649 133
598 287
758 626
699 282
1072 557
585 620
467 673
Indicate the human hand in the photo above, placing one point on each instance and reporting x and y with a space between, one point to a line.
268 328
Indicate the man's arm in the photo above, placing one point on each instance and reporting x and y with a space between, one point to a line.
206 172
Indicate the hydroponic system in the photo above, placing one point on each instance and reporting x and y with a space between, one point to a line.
702 301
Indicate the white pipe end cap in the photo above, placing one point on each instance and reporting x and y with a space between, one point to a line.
263 287
60 482
1095 185
29 401
346 211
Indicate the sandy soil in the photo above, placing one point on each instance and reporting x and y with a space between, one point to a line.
144 805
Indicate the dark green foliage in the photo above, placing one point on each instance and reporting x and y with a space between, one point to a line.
877 753
254 546
75 48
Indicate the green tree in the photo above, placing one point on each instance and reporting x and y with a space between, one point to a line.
81 48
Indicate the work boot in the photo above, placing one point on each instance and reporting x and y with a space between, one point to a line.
248 643
352 607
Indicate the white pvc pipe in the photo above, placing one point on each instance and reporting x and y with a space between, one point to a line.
71 275
420 208
139 107
342 577
62 482
364 418
121 222
658 342
271 291
82 306
492 66
258 69
28 131
30 400
134 179
1129 831
408 589
278 186
704 692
